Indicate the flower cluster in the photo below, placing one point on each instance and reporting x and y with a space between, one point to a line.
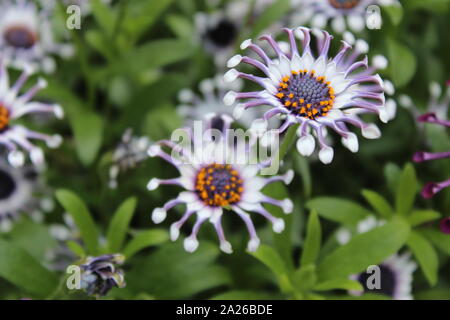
313 91
217 176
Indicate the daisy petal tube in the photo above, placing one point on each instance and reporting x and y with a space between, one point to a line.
317 92
13 106
217 176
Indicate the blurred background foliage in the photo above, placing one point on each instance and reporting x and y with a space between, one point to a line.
132 58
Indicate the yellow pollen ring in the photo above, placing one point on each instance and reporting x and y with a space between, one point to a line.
4 117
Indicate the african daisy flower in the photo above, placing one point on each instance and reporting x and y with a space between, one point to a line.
100 274
431 188
395 272
343 14
314 92
26 37
217 175
14 106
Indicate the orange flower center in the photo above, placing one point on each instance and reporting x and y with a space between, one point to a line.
306 95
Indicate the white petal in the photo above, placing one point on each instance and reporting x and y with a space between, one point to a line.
351 142
306 145
371 131
253 245
190 244
278 226
159 215
326 155
356 22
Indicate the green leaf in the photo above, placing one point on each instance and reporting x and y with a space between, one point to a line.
311 247
338 210
243 295
363 250
104 15
76 248
339 284
395 13
172 273
418 217
87 125
82 218
283 240
402 62
304 278
145 239
392 174
33 237
301 166
425 255
88 129
406 191
180 25
378 203
119 225
271 259
440 240
271 14
20 268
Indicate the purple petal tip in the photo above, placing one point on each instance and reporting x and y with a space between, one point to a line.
430 190
445 225
427 117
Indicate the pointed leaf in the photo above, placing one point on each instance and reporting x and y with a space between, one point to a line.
406 190
312 243
82 218
425 255
119 225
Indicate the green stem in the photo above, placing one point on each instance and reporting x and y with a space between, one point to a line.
287 142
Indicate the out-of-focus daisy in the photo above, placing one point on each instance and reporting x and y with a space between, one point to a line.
217 175
26 37
131 151
20 189
438 103
431 188
313 91
14 106
343 14
100 274
219 29
210 101
395 273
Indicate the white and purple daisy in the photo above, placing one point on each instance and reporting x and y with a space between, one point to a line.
14 106
100 274
395 273
431 188
314 92
343 14
217 175
26 36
